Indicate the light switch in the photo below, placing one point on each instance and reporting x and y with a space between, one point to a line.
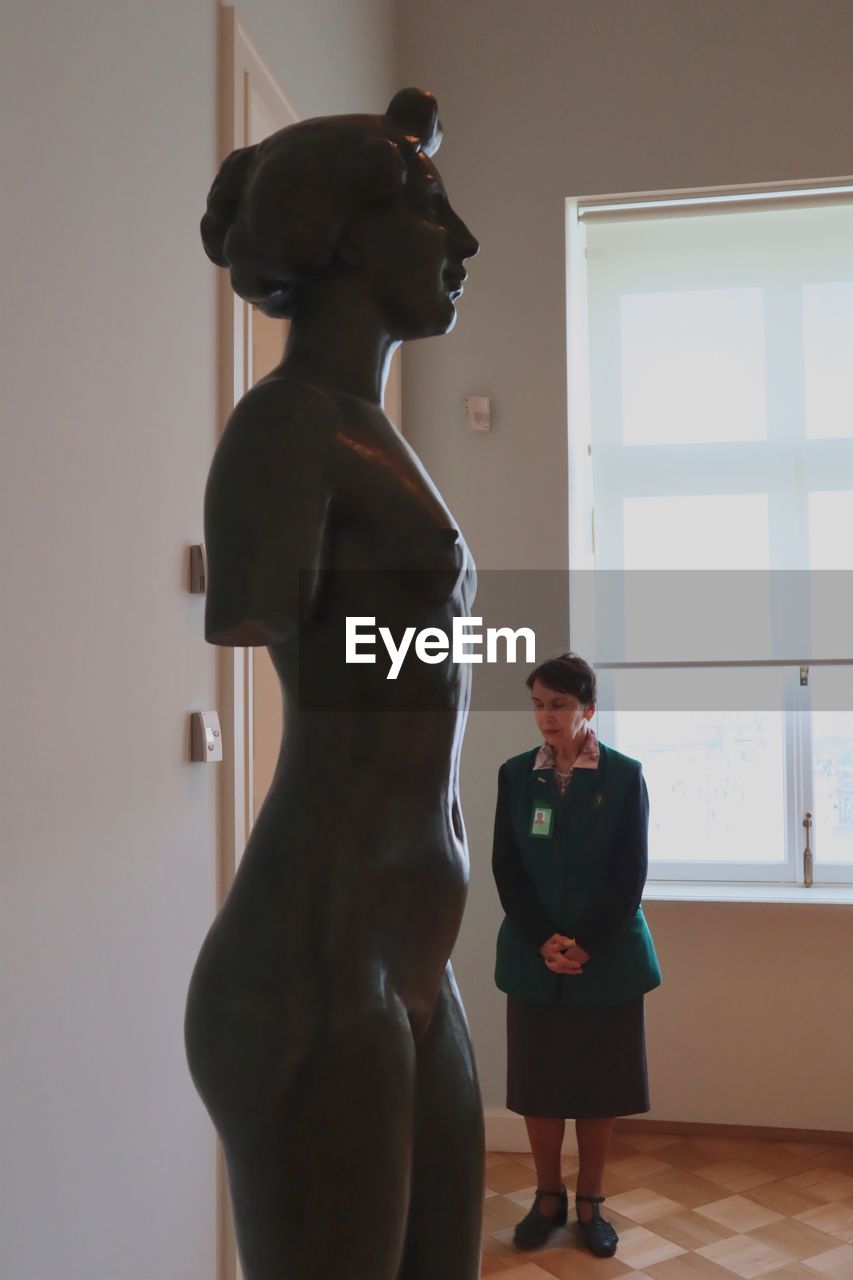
205 738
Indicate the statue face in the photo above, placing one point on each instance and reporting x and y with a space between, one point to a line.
413 253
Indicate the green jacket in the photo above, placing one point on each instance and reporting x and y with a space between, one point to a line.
577 866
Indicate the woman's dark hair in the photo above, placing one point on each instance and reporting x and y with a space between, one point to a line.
568 673
276 210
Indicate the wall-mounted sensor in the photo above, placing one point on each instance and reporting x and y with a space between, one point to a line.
205 738
478 412
198 570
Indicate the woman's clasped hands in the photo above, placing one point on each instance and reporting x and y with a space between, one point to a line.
563 955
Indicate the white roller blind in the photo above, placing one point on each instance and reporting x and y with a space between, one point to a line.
720 406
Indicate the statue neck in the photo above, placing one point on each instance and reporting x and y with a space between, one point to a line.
342 348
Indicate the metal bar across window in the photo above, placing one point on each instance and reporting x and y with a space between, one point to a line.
728 662
698 203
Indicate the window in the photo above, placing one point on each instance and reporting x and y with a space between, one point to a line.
711 517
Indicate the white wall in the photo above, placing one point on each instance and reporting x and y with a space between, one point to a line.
544 99
329 55
107 849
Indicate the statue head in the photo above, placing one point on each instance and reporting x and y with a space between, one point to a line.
353 196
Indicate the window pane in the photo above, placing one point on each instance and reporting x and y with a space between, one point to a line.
715 783
828 358
832 746
831 582
693 366
831 529
711 531
714 767
725 533
832 753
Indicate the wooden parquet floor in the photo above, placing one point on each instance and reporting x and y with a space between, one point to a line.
689 1209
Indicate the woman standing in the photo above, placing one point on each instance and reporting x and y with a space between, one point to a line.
574 955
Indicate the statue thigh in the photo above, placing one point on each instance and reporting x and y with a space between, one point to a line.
319 1174
369 1166
445 1217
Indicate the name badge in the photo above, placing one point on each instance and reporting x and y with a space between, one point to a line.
542 820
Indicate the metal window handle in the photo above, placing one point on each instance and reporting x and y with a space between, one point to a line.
808 859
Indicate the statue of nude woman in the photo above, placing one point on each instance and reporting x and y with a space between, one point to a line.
324 1028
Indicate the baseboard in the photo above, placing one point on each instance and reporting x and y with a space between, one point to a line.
505 1131
747 1132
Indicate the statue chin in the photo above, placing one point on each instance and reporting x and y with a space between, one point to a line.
442 320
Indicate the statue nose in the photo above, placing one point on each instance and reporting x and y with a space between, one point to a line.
465 244
472 246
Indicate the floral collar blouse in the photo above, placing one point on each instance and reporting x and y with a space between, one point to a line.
587 759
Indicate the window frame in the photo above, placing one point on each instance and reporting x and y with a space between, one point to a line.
593 521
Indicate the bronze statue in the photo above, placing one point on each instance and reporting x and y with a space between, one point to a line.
324 1029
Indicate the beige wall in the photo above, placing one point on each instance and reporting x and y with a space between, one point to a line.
107 836
544 99
752 1026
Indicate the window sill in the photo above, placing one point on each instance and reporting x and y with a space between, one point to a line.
708 891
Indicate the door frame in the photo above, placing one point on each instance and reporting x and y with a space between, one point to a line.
246 83
247 92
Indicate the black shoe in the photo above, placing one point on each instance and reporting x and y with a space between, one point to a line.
534 1230
598 1235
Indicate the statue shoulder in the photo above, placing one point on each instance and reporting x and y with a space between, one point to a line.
279 414
265 512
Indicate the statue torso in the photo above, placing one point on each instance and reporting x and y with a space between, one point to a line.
380 835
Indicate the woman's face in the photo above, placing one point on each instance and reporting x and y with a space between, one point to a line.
561 718
413 253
